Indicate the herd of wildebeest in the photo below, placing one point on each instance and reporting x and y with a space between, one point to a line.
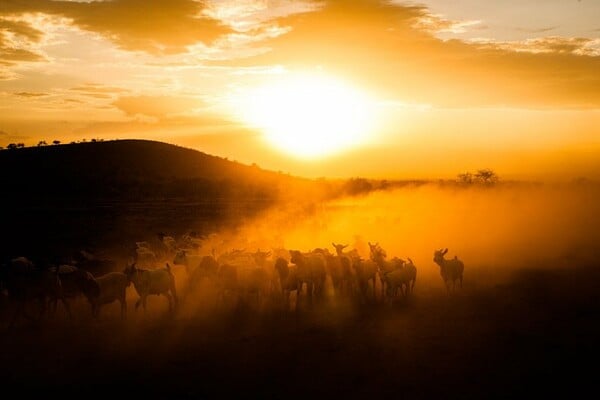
234 275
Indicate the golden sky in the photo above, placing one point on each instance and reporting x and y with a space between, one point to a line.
396 89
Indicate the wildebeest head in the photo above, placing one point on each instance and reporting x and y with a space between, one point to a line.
260 257
339 248
296 256
180 257
438 255
130 270
89 285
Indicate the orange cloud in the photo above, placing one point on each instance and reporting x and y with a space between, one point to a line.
384 46
551 44
30 94
148 25
15 38
156 106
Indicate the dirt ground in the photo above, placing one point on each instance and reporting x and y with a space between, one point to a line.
535 333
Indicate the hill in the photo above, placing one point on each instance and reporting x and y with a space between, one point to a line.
124 170
65 197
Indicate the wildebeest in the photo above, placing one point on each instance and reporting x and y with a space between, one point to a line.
25 282
310 270
152 282
112 287
75 282
451 270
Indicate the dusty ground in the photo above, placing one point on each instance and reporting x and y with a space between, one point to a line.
536 332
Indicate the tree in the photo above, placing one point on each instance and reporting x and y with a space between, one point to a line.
465 178
20 145
42 143
356 186
11 146
55 142
486 176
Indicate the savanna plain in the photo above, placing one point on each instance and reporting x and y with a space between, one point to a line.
524 321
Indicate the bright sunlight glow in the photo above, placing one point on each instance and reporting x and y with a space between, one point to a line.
309 116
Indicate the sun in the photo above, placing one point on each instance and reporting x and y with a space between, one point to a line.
309 116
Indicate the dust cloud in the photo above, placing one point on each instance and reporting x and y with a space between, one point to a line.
493 230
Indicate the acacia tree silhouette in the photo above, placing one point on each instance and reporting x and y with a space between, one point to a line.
465 178
486 176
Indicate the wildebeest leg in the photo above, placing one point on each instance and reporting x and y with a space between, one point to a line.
53 305
123 307
374 288
461 279
216 300
18 311
168 296
299 292
67 307
42 303
174 294
286 300
138 302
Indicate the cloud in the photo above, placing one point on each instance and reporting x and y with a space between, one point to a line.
16 39
436 24
382 47
552 44
98 91
20 28
388 48
30 94
156 106
6 75
10 56
98 88
153 26
538 30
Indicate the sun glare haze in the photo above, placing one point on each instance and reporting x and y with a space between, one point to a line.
309 116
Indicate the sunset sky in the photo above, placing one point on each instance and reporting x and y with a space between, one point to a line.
394 89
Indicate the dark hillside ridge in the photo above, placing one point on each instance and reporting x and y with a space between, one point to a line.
123 170
65 198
